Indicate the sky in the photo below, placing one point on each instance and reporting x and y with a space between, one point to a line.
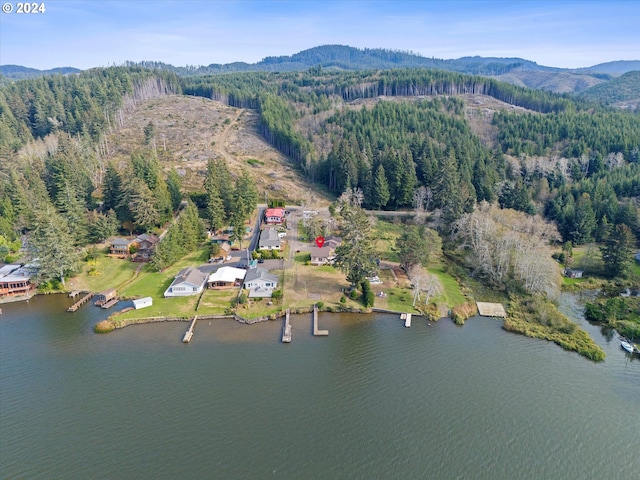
94 33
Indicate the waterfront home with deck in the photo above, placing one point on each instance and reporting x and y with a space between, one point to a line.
105 297
120 246
146 246
226 277
15 280
260 282
189 281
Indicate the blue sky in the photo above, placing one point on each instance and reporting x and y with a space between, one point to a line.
90 33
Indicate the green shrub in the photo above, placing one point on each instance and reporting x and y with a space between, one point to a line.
320 305
343 299
242 299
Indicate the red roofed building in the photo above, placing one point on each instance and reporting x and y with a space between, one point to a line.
274 216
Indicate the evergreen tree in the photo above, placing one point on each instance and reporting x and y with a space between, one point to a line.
356 256
617 251
52 244
380 191
174 187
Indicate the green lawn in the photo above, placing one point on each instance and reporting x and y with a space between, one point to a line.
103 273
386 234
451 294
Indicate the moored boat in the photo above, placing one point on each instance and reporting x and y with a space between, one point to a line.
627 346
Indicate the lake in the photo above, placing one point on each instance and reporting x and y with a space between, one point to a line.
371 400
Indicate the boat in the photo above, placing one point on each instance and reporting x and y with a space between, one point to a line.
627 346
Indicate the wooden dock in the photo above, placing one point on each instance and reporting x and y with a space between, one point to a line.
74 294
189 333
80 302
316 332
487 309
286 331
407 319
110 303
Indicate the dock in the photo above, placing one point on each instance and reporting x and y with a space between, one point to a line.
487 309
80 302
110 303
74 294
316 332
407 319
189 333
286 332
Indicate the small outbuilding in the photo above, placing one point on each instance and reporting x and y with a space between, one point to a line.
139 303
572 273
105 296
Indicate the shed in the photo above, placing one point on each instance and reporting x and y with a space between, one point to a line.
142 302
573 273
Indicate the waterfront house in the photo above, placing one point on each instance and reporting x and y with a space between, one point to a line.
189 281
226 277
15 280
146 246
120 246
274 216
269 239
260 282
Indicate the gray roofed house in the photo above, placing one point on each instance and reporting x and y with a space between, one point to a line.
320 256
269 240
120 246
260 282
332 241
189 281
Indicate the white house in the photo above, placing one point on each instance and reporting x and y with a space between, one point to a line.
226 277
260 282
189 281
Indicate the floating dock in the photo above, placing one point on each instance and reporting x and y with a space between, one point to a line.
286 331
491 309
316 332
80 302
110 303
407 319
189 333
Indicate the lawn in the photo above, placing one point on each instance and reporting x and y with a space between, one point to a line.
386 234
217 301
451 294
106 272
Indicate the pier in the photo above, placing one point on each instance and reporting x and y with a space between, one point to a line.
189 333
316 332
286 332
110 303
80 302
407 319
74 294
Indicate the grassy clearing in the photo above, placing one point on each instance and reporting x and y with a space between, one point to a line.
103 273
451 294
386 235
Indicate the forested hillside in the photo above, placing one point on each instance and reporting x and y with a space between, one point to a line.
397 135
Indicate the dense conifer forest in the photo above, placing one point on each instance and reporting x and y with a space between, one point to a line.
389 133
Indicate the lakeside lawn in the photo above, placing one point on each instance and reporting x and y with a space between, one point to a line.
103 273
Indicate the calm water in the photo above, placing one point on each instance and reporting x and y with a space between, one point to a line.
372 400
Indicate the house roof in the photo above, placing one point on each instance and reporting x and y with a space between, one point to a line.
191 276
333 241
225 246
19 274
143 300
259 273
147 238
7 269
227 274
274 212
269 238
320 252
121 242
